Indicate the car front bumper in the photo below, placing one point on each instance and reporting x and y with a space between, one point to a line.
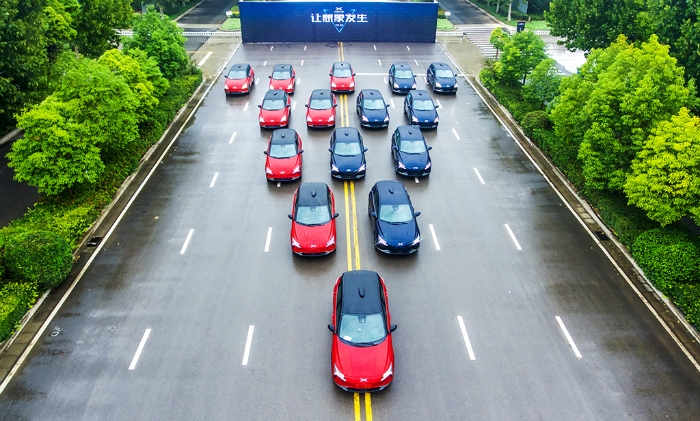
367 386
420 172
390 249
348 175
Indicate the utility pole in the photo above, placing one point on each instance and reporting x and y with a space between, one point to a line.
510 7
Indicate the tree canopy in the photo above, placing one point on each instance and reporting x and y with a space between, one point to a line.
521 53
96 22
544 82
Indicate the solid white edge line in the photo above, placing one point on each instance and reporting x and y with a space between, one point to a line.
479 175
454 132
267 241
232 137
512 236
213 180
77 279
466 338
187 241
246 106
248 342
134 360
578 218
432 231
204 59
568 337
370 74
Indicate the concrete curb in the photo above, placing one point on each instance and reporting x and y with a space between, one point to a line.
8 137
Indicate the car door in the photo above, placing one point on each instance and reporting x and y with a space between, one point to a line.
407 105
431 74
395 142
359 103
392 69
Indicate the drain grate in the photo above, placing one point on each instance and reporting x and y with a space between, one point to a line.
601 235
94 241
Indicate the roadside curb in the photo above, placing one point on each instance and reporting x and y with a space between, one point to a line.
8 137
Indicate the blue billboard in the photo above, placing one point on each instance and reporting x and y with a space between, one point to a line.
346 21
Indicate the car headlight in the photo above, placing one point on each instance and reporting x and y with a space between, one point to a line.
381 241
386 119
364 118
245 86
283 119
416 241
330 242
309 119
295 243
262 120
331 118
334 168
337 373
414 119
296 169
362 167
268 170
401 165
352 84
396 85
437 84
427 166
333 85
290 86
389 372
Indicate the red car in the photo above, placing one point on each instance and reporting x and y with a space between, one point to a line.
283 77
274 111
321 109
342 77
240 79
362 355
283 152
313 220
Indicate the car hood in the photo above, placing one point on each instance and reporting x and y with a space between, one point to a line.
320 114
373 115
429 115
283 166
348 162
235 83
280 83
398 233
318 235
405 82
365 362
273 114
341 80
414 160
446 81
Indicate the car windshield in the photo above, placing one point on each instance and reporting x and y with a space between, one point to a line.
286 150
362 328
347 148
313 215
395 214
373 104
320 104
412 146
342 72
423 105
444 73
273 104
404 74
281 74
237 74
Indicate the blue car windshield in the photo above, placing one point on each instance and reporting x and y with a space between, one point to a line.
404 74
423 105
347 148
395 214
373 104
412 146
444 73
362 328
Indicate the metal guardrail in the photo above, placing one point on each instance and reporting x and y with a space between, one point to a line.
227 34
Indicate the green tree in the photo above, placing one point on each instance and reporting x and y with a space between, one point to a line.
53 155
588 24
544 83
642 87
58 30
162 40
499 38
96 21
521 54
665 176
150 67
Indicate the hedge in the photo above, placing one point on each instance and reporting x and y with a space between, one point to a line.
40 257
15 299
668 255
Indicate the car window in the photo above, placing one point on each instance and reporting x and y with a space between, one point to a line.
347 148
423 105
320 104
286 150
342 72
281 74
313 215
373 104
362 328
237 74
412 146
273 104
395 214
404 74
444 73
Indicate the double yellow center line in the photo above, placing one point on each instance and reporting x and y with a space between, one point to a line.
352 242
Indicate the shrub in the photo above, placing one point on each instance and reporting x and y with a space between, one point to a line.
235 11
535 120
687 299
40 257
668 255
628 222
15 299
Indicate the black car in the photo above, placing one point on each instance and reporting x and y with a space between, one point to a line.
441 77
347 154
420 110
401 78
395 227
410 152
372 109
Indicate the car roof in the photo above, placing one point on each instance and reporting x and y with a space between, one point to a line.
421 94
341 64
281 67
347 134
361 293
239 66
312 194
440 65
391 192
403 66
321 93
274 94
409 132
284 136
372 93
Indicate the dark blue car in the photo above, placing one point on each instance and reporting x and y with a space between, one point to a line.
372 109
420 110
441 77
347 154
410 152
395 227
401 78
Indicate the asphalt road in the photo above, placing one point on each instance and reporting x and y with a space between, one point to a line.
200 297
462 12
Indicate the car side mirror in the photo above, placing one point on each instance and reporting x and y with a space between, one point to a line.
290 216
330 150
430 147
335 105
330 74
306 105
373 214
331 328
365 149
288 105
301 151
293 76
335 215
415 214
395 147
437 106
387 105
270 76
353 74
265 152
259 106
226 77
392 328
